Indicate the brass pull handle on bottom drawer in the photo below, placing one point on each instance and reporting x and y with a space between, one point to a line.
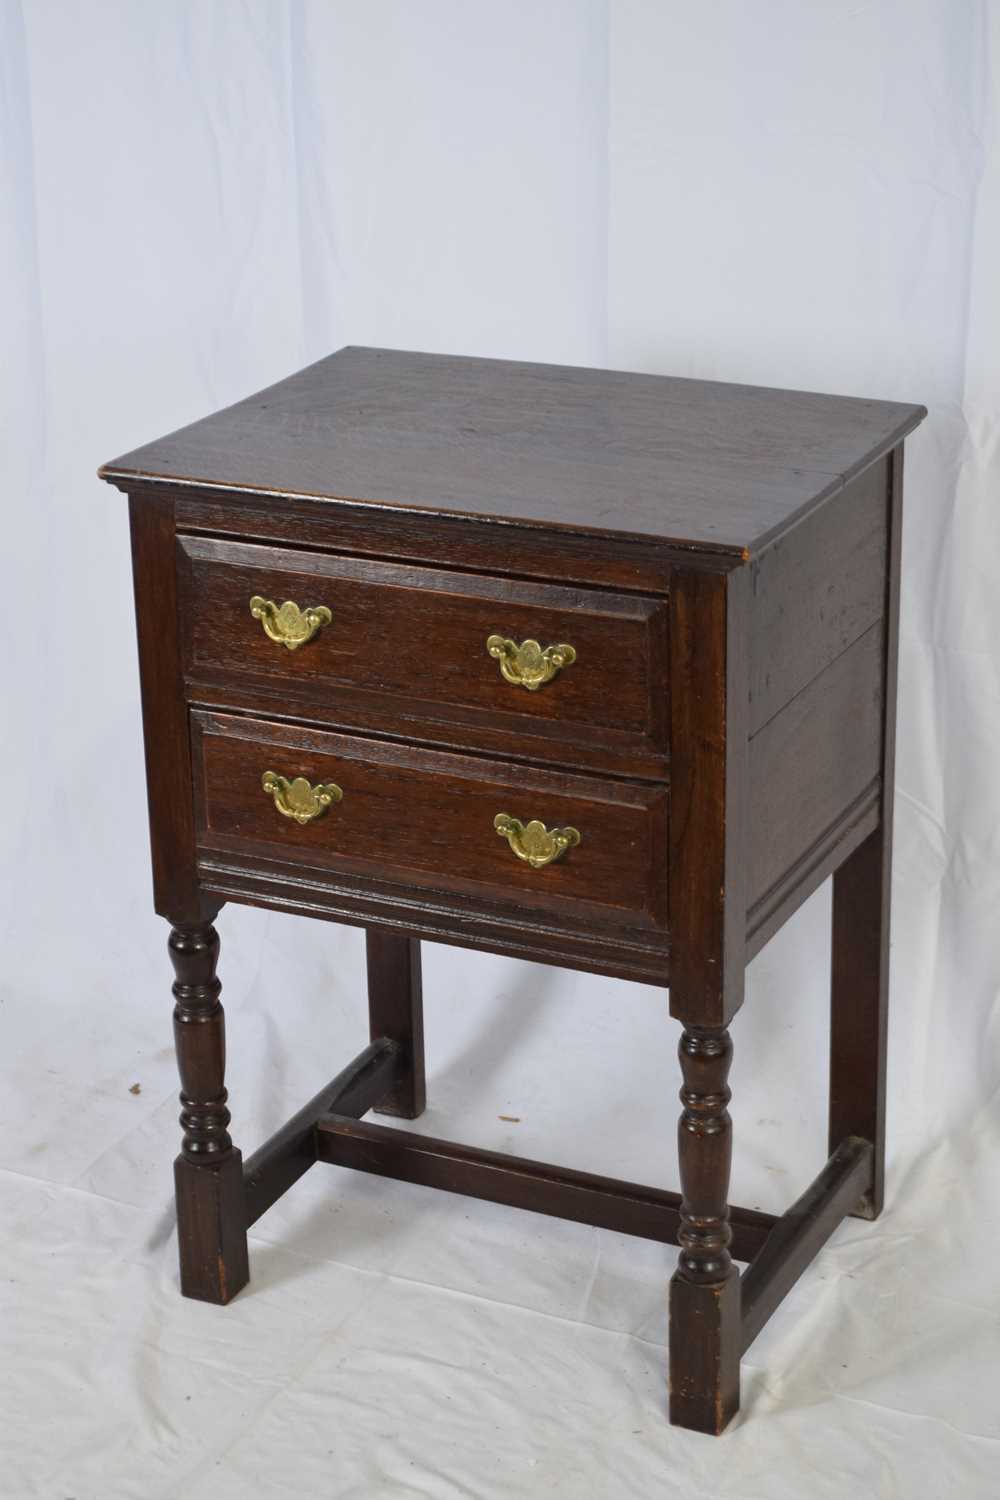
298 799
533 842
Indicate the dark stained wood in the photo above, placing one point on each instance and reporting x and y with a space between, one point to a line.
384 715
704 1354
291 1151
708 465
705 1288
802 1231
708 797
859 1004
208 1174
426 818
813 761
862 889
725 561
200 1041
639 564
705 1147
815 591
440 917
396 1010
414 641
807 874
164 716
605 1202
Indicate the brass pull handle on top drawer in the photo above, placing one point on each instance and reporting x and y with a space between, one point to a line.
298 799
533 842
527 665
288 625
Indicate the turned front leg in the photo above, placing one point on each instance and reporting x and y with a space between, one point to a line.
208 1174
705 1289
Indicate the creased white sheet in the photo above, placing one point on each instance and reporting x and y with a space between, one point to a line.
195 199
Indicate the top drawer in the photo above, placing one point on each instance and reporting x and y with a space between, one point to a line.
405 650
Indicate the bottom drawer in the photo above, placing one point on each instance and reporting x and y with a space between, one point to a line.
393 813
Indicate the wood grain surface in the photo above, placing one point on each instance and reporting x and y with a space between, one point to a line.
703 464
424 817
815 591
814 759
409 643
725 562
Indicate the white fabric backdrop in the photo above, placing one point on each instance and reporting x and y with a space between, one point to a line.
197 198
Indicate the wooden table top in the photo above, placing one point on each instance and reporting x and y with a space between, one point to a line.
692 463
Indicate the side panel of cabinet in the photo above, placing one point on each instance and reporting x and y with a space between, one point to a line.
816 591
817 697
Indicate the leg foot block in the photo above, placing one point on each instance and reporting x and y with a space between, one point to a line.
705 1339
212 1227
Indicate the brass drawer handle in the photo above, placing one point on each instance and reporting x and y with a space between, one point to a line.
288 625
298 799
527 665
533 842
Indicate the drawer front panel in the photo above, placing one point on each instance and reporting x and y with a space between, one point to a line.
426 818
415 640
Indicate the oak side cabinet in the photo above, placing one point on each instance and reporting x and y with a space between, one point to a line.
594 669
